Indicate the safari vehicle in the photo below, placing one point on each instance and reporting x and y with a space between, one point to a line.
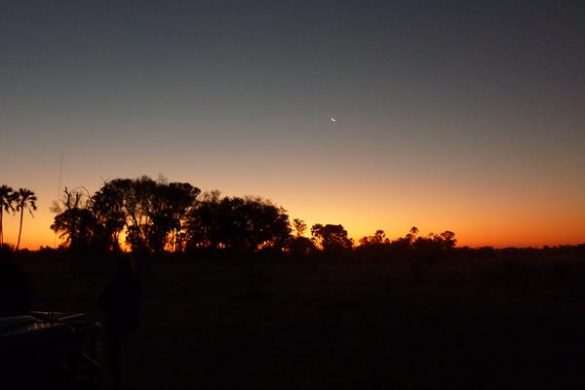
50 350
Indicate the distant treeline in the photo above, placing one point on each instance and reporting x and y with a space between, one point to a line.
156 216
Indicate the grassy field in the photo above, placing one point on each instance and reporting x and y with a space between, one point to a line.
315 323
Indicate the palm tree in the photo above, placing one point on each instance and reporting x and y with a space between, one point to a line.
7 199
26 199
7 203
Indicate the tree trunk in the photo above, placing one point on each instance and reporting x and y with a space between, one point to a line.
1 227
20 228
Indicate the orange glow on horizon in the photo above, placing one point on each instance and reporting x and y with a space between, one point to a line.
474 232
482 216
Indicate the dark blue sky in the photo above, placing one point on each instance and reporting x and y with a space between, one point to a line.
454 114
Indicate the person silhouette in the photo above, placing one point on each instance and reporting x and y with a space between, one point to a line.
120 303
15 289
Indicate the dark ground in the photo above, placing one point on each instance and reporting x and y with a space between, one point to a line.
467 323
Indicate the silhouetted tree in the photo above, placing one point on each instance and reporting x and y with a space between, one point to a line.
299 245
7 200
434 245
204 222
300 227
241 224
26 200
448 240
412 234
152 213
409 246
137 200
108 206
76 223
149 210
332 238
378 239
169 206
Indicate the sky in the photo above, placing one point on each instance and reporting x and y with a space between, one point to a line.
450 115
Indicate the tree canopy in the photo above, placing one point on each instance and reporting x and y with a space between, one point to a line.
332 238
242 224
154 216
